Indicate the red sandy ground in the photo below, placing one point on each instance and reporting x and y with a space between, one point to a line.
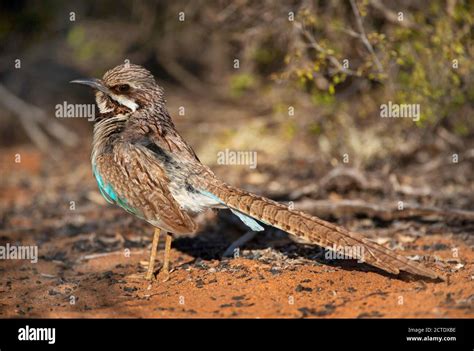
272 282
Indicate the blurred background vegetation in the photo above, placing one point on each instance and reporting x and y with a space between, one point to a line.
308 85
300 82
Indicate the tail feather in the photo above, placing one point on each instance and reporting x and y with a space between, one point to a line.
315 230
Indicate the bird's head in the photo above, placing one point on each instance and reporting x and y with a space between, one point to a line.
125 89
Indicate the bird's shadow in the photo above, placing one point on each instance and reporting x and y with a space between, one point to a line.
213 239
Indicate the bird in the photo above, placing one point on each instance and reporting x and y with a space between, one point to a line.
143 165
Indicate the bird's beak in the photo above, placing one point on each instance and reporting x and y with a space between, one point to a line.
93 83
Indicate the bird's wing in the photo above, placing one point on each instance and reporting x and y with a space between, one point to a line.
135 180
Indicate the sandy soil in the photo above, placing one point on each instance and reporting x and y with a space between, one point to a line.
92 260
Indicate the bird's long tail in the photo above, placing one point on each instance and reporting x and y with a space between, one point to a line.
315 230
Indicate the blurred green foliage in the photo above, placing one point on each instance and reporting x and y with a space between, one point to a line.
309 54
241 83
425 61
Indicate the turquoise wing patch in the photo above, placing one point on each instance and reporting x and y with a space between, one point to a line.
110 195
107 192
249 221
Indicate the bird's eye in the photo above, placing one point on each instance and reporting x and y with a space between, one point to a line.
123 88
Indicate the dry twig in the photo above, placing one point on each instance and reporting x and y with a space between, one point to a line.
33 119
319 48
363 36
391 15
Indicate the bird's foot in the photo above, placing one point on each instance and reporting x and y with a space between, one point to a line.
163 275
150 276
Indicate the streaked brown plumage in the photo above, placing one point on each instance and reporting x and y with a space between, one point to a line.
142 164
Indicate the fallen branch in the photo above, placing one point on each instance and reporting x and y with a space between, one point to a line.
386 212
105 254
361 181
33 118
357 176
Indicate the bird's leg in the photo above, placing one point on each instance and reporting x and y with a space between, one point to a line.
166 263
154 247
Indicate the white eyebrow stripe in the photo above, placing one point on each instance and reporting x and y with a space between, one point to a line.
122 100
